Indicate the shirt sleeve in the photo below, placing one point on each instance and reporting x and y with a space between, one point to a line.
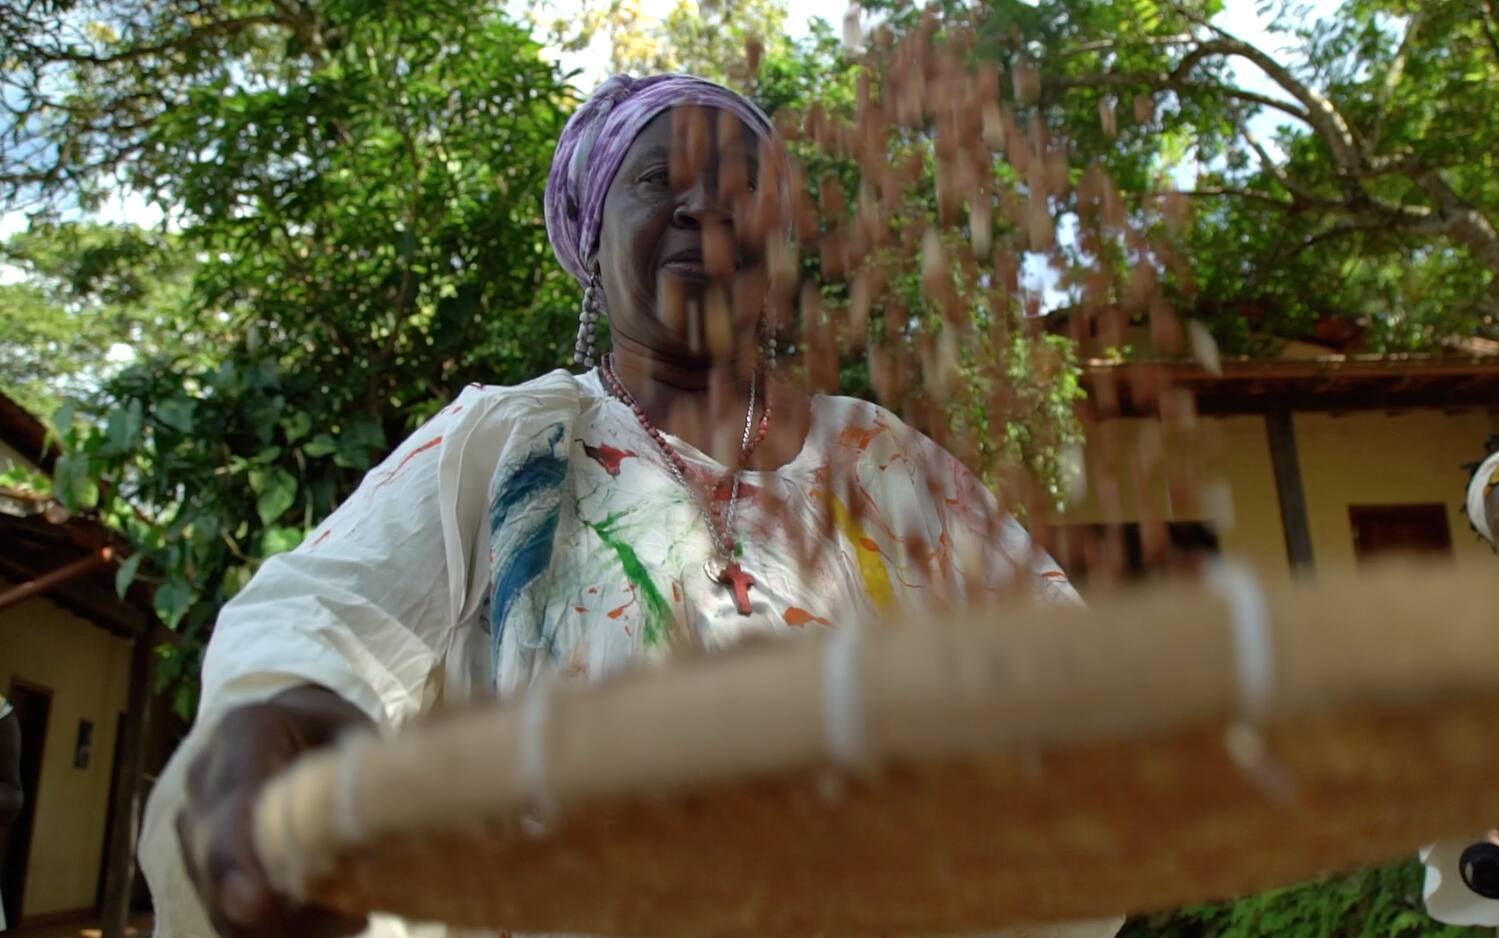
979 543
365 607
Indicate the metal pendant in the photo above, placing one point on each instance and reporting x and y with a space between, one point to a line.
714 567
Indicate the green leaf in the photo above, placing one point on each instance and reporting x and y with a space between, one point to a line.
73 485
280 540
276 490
177 413
124 429
62 420
185 700
172 600
125 575
296 425
235 579
320 445
362 438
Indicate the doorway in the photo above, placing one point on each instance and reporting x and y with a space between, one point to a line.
33 705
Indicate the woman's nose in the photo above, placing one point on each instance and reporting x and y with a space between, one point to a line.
702 204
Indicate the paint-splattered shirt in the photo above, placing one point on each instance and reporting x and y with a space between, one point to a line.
596 551
538 527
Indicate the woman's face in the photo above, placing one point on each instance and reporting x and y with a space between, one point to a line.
678 274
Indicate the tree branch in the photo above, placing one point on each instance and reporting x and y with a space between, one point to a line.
133 53
1298 194
1460 220
1170 81
1490 17
1321 114
1317 111
1216 192
1393 76
1101 45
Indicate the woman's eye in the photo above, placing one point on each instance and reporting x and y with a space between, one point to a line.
658 176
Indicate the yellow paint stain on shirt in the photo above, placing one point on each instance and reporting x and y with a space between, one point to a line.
866 553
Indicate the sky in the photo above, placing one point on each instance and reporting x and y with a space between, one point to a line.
1241 19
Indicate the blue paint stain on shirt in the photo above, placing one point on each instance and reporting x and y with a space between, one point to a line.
525 504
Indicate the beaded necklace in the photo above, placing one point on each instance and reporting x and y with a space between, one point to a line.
723 567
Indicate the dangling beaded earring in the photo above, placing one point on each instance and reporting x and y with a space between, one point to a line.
588 321
768 344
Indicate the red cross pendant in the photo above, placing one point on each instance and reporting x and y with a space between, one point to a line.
734 577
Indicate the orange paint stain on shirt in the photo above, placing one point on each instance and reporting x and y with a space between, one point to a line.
320 539
389 476
796 617
618 611
859 437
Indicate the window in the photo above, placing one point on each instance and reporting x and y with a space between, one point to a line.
1399 530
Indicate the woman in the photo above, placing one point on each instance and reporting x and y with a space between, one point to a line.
581 522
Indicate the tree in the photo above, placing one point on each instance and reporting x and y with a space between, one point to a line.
93 298
700 37
1375 201
358 186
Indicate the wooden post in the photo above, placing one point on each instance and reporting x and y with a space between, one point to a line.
120 872
1287 466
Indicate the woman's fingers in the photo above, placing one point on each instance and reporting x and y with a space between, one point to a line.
234 875
215 827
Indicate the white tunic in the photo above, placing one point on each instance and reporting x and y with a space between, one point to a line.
538 527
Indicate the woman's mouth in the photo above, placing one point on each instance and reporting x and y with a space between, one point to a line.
687 265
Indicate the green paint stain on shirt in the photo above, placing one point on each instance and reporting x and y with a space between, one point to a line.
656 615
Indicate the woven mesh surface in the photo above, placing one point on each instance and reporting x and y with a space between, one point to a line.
1071 766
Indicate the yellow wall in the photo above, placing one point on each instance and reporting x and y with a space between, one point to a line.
1363 458
88 672
1238 458
1374 458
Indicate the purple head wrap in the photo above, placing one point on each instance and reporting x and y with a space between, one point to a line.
594 143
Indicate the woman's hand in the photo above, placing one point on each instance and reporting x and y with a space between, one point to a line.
249 746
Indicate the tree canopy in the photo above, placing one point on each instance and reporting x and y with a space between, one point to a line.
356 195
1369 212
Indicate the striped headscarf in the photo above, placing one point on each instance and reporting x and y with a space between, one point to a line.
594 143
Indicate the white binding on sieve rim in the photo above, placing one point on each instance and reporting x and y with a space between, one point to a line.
284 865
1254 658
346 811
532 760
842 706
1254 668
